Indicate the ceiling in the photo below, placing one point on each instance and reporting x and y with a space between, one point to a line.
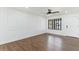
43 10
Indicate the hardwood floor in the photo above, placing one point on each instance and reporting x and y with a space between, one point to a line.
43 42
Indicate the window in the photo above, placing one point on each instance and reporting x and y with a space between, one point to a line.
55 24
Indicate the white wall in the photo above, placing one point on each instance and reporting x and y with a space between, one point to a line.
15 25
72 20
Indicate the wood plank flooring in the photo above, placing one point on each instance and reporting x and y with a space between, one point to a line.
43 42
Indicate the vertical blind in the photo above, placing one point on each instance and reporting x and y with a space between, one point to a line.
55 24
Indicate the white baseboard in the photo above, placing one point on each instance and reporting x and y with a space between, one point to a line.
27 36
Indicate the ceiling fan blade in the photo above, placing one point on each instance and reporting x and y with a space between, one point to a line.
49 11
55 12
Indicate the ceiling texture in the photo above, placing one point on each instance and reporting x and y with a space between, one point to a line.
43 10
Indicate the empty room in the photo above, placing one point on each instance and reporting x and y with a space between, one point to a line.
39 28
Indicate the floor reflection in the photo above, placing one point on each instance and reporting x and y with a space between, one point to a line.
54 42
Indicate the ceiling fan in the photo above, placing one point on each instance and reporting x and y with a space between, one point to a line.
50 12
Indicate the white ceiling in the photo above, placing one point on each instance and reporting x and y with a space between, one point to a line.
43 10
